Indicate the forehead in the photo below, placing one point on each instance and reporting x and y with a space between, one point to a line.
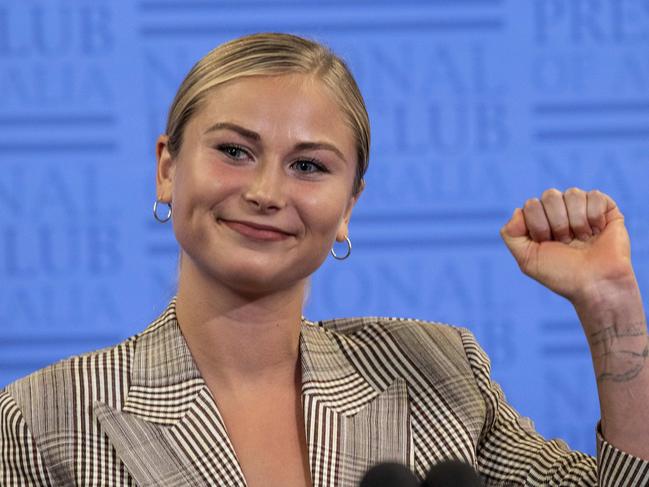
293 106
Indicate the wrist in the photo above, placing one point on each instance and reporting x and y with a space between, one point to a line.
616 331
614 322
610 303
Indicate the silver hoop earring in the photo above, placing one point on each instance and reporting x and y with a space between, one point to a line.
349 250
155 212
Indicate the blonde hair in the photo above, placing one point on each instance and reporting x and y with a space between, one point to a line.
272 54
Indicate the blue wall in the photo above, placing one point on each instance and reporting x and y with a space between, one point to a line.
475 107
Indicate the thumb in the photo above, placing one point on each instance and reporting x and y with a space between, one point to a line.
515 235
515 228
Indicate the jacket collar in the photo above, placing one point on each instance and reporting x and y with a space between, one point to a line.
163 363
169 409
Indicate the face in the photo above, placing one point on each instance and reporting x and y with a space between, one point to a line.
263 182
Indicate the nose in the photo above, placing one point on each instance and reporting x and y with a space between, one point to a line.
265 191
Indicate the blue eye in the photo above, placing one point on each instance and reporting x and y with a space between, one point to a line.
308 166
233 151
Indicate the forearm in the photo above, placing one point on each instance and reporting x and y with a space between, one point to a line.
616 328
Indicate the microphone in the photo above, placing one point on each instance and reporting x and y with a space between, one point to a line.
389 475
452 473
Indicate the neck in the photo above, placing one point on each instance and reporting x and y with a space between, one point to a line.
238 340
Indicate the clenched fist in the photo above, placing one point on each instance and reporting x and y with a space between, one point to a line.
574 243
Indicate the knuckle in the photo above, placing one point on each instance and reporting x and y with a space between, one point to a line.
530 203
574 191
550 193
561 228
596 219
581 227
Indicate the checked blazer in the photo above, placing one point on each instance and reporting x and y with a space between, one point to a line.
373 389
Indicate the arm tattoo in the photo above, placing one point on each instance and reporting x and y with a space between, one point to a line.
620 356
613 332
633 363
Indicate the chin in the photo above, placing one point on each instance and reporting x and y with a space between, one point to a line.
257 275
254 277
257 285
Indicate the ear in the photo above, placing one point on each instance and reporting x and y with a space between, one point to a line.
343 230
165 169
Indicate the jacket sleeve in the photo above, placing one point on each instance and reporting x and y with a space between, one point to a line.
512 452
21 463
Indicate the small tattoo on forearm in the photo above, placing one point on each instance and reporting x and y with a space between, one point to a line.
617 354
629 365
613 332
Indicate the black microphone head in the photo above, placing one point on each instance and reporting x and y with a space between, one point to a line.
452 473
389 475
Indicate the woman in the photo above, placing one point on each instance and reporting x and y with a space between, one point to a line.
262 162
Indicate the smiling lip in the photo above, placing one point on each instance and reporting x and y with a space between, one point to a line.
253 230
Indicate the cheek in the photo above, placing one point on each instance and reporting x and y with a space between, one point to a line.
206 186
323 212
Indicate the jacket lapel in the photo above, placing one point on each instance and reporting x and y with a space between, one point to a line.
170 431
351 423
193 451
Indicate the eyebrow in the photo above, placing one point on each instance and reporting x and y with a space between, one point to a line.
248 134
254 136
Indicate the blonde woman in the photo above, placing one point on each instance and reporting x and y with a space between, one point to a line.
262 163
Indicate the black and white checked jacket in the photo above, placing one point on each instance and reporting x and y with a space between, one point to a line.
374 389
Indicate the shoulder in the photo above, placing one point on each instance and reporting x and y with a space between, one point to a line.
52 412
66 389
403 330
433 347
436 362
100 375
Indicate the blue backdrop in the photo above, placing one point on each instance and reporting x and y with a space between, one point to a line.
476 105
